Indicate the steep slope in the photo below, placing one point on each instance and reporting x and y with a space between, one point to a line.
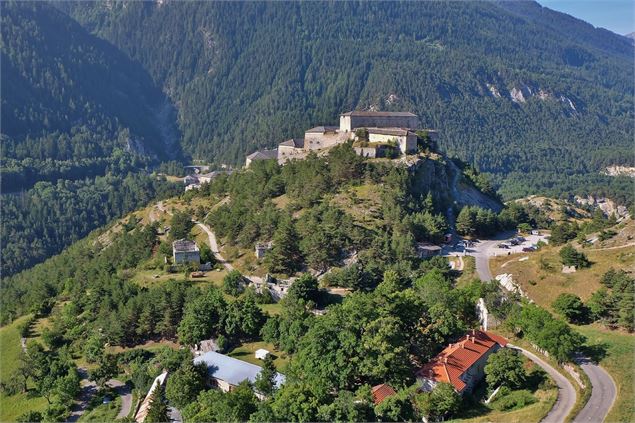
71 99
533 96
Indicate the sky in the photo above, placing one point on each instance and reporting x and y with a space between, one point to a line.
615 15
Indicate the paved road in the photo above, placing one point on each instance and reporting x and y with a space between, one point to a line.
602 396
566 392
88 389
126 397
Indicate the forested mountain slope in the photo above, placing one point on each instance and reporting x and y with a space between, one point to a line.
71 99
536 97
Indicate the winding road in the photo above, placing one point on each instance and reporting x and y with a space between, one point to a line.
603 387
566 392
602 396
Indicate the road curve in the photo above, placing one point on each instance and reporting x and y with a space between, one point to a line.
603 393
566 392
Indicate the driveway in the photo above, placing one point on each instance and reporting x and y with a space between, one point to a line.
88 389
602 395
566 392
126 397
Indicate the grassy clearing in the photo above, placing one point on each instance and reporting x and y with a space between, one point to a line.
273 309
468 274
363 204
11 407
542 389
246 352
103 412
615 352
147 278
541 278
149 346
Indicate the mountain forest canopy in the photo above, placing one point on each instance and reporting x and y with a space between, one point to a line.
537 98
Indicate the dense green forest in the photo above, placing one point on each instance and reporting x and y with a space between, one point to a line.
402 309
454 63
40 222
71 101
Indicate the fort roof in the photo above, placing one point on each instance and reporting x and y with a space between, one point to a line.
456 359
322 129
398 132
378 114
264 155
293 142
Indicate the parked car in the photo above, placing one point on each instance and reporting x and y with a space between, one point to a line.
527 249
505 246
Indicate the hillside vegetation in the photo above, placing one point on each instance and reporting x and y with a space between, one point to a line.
248 75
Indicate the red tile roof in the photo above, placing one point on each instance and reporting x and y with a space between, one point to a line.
381 392
451 363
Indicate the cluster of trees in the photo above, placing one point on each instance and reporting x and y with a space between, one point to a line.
44 220
51 374
613 304
572 257
551 334
367 339
211 316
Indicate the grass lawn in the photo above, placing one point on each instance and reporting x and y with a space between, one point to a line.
469 271
149 345
147 278
544 394
13 406
273 309
103 412
246 353
541 278
617 356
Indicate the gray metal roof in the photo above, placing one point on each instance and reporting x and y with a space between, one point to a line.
231 370
264 155
322 129
379 114
184 245
293 142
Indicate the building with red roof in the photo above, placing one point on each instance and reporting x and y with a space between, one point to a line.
381 392
461 364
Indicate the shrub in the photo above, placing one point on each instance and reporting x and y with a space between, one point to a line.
514 400
572 257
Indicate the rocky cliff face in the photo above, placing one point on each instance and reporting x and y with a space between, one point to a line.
608 206
445 178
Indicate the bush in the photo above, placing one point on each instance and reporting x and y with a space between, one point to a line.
572 257
514 400
233 283
570 307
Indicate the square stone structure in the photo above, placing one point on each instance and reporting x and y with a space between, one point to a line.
185 251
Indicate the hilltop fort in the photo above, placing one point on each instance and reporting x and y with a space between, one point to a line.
374 134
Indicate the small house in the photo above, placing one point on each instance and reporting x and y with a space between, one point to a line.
261 353
381 392
144 408
425 249
261 155
262 248
185 251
